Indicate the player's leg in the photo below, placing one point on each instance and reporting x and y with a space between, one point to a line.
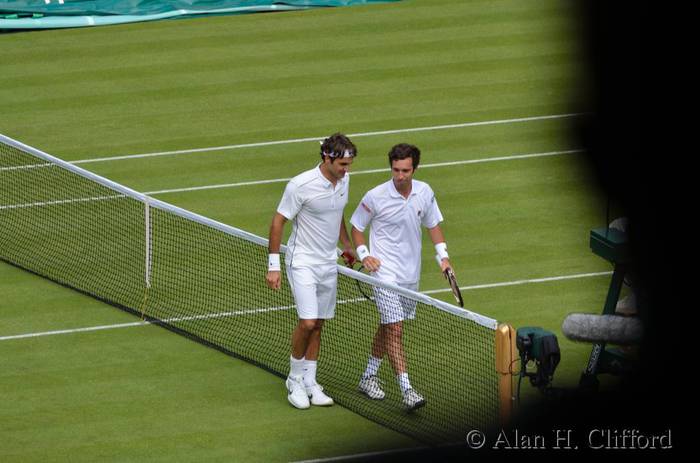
326 289
296 391
411 398
302 338
392 333
313 345
393 310
314 391
303 288
369 382
389 311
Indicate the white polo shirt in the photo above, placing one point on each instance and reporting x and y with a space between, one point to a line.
315 208
395 233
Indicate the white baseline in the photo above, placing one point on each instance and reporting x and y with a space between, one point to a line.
370 171
283 180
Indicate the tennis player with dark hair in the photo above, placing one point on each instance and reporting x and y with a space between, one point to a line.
314 201
395 211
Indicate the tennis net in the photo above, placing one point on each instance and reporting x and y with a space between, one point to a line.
205 280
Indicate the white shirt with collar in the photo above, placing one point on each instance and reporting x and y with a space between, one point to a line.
315 208
395 233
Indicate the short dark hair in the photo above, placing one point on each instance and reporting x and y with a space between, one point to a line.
336 145
403 151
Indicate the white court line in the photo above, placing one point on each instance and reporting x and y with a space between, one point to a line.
272 309
166 320
142 323
370 171
316 139
281 180
61 201
521 282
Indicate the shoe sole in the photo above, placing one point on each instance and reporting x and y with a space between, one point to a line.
328 404
416 406
370 397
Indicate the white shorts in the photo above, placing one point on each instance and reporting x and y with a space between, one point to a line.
314 290
394 307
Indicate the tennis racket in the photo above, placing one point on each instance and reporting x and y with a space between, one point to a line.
450 276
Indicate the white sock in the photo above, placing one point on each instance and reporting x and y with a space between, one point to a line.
310 372
403 381
372 367
296 366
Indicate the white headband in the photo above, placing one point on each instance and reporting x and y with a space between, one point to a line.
333 154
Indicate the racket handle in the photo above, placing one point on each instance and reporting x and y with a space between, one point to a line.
438 259
348 258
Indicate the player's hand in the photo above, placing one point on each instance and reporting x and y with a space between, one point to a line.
445 264
274 279
349 257
372 264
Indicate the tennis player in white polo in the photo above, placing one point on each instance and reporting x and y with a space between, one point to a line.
395 211
314 201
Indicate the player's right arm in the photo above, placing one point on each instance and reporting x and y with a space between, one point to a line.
371 263
360 220
274 273
288 208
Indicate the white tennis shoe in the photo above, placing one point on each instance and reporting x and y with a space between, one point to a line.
372 388
297 393
412 400
317 396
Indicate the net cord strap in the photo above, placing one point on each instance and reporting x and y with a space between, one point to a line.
228 229
147 252
147 240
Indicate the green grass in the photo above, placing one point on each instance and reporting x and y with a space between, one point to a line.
146 394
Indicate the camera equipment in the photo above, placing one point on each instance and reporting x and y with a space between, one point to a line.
540 346
611 244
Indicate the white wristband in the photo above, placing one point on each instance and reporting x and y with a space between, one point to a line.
273 263
441 249
362 252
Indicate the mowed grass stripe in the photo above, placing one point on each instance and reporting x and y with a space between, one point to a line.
239 82
409 71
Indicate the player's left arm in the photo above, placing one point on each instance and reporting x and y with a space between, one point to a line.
438 239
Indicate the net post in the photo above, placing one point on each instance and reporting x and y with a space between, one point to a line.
505 356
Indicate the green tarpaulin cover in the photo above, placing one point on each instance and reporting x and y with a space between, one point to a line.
45 14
